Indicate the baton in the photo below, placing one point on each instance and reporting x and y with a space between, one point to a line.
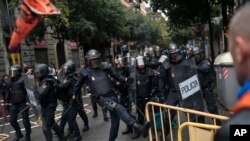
62 116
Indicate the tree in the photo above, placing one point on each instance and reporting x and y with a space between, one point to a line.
96 22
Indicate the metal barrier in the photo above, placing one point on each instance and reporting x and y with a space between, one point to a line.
161 116
3 137
197 132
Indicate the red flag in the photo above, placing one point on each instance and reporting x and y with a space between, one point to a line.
25 22
30 14
3 109
42 7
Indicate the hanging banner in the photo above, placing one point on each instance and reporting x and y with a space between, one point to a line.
16 58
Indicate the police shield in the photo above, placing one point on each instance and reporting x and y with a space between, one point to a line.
30 86
132 87
187 84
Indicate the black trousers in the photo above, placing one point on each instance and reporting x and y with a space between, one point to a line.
69 116
14 111
117 112
48 118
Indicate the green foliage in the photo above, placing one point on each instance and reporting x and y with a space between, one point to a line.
97 21
179 35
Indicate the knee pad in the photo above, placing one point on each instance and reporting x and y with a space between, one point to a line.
111 105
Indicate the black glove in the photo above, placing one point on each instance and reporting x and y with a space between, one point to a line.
130 80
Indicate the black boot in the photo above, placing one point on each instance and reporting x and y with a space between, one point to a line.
135 135
18 137
85 128
69 135
146 126
61 139
140 129
137 130
26 137
77 138
127 130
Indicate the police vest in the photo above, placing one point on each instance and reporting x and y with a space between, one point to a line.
17 91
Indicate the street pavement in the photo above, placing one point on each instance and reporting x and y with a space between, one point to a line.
99 129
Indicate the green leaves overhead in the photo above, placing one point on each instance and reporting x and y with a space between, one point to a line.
96 22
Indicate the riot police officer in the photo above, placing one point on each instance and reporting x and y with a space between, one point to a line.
47 98
167 91
205 78
144 78
17 97
122 88
97 75
70 107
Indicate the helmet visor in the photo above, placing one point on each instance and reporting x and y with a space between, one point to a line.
13 73
94 63
140 61
174 57
65 70
37 74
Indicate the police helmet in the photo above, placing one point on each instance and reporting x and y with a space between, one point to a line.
140 61
173 48
69 67
157 51
124 48
174 53
196 50
40 71
91 55
15 70
157 48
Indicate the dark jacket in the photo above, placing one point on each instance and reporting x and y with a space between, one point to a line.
98 80
241 117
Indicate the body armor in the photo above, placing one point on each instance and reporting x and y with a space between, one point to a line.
47 96
204 73
143 83
17 90
99 81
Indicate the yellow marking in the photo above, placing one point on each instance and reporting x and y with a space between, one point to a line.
3 137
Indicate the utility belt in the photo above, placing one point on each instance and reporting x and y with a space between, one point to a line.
105 95
143 98
18 104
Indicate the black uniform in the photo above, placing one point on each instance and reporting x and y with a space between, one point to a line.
17 97
153 63
144 79
70 107
82 114
205 78
102 89
48 100
122 88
